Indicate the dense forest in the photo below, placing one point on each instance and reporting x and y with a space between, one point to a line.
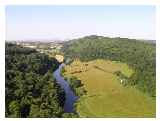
30 88
138 54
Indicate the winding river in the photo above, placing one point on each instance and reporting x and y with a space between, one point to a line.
69 94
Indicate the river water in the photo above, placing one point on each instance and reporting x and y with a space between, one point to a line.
69 94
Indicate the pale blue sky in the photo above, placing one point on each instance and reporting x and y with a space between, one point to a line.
67 22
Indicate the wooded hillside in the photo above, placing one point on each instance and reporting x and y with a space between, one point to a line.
140 55
30 88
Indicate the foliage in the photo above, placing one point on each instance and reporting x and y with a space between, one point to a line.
123 79
106 96
76 86
31 90
140 55
62 71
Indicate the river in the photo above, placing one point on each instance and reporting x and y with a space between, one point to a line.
69 94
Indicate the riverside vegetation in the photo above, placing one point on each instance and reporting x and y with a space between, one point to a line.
140 55
30 88
113 77
124 82
106 95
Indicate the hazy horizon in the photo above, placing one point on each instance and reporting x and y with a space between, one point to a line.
50 40
70 22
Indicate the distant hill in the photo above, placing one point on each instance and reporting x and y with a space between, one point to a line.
152 41
140 55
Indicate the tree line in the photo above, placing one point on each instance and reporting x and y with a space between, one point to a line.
140 55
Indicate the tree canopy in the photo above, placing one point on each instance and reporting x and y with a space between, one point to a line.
140 55
30 88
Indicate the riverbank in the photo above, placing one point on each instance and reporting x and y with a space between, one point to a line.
70 97
103 85
76 86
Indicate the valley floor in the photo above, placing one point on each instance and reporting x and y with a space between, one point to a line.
106 96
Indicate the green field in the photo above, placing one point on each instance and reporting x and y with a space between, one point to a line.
106 96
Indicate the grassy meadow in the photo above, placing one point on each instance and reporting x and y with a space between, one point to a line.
106 96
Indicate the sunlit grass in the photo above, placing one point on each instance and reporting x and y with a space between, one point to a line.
106 96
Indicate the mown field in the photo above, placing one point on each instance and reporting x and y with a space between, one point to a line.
106 96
